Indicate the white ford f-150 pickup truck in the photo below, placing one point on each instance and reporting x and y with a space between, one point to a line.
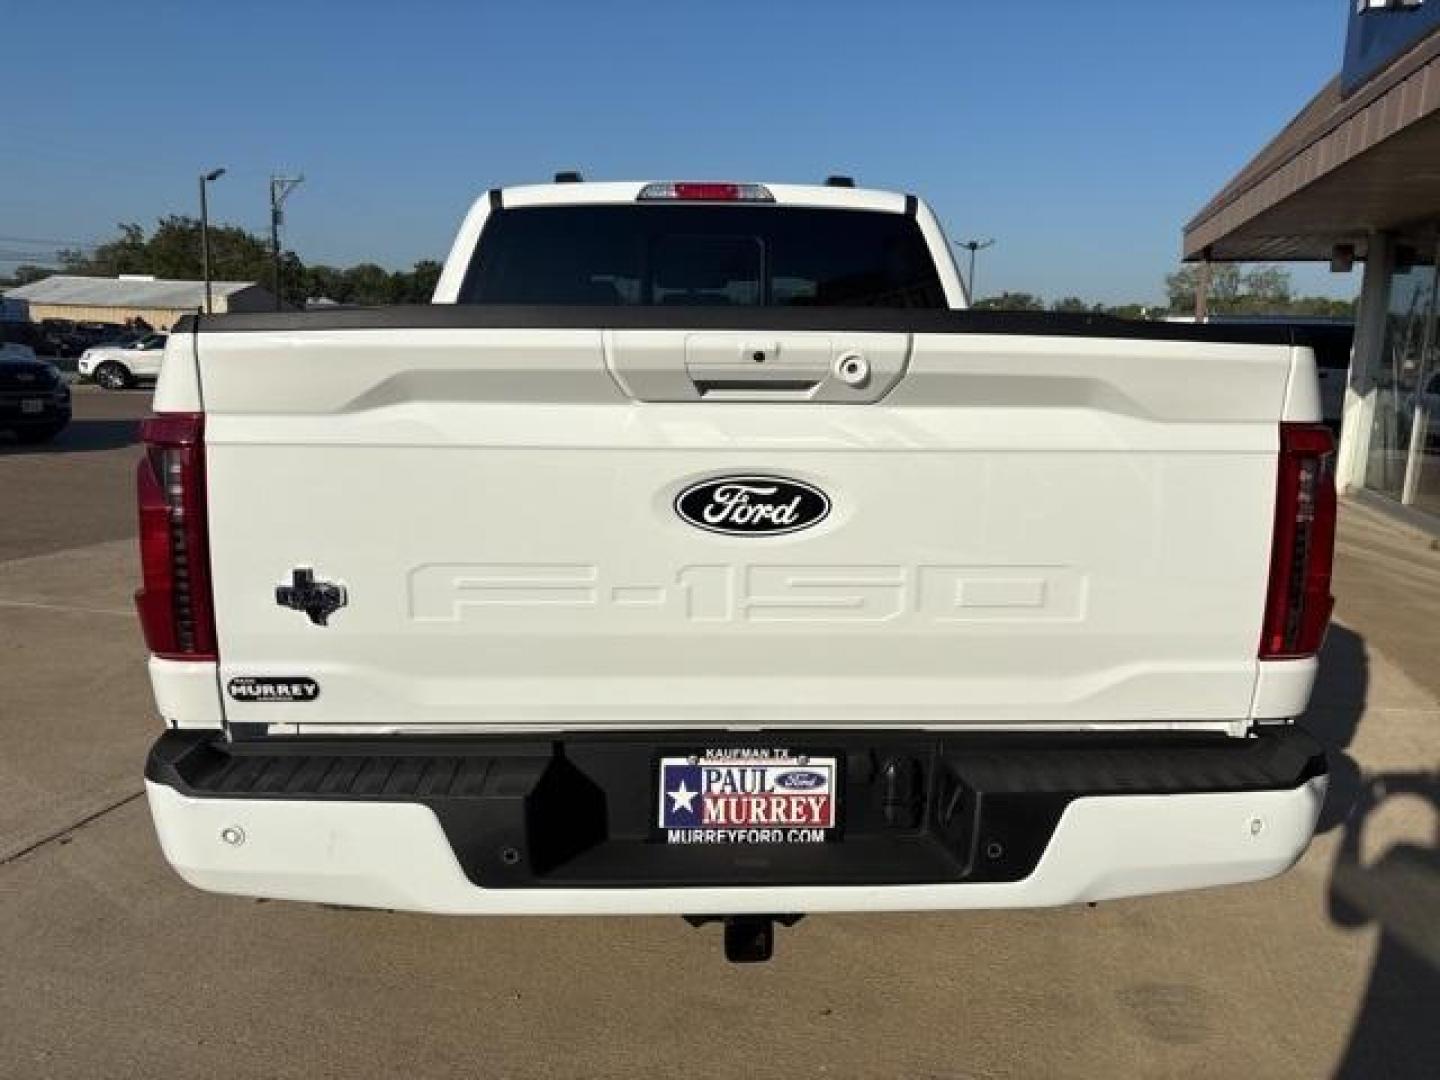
697 552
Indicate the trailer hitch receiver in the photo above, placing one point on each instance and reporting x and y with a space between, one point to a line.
749 939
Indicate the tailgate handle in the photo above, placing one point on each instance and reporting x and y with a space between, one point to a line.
757 369
719 380
762 378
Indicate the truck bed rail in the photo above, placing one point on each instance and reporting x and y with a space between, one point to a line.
777 319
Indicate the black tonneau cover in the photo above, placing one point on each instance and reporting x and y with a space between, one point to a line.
639 317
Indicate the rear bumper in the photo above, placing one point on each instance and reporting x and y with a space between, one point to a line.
505 825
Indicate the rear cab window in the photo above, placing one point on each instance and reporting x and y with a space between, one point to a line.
702 256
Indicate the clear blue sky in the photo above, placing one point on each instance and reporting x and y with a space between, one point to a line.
1080 135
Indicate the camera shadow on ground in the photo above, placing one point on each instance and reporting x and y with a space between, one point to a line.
1396 1031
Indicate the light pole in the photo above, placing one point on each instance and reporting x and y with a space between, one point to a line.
205 179
280 189
973 246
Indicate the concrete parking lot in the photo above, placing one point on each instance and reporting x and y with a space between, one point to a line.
110 966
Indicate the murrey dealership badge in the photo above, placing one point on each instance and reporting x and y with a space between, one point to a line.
752 505
272 688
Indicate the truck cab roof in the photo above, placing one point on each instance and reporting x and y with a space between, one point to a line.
628 191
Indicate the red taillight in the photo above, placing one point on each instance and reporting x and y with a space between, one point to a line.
705 191
177 612
1297 609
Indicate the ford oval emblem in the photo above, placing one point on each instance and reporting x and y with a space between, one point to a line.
752 505
800 780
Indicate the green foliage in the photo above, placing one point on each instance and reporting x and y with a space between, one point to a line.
25 273
1074 305
1261 290
367 283
1322 306
1011 301
424 276
1268 287
173 251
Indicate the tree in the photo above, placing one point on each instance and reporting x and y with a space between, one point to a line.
1181 286
123 255
1323 307
1134 311
1011 301
1074 305
173 251
1261 290
422 279
25 273
367 283
235 255
325 283
1267 288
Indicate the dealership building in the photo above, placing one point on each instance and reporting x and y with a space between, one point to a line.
1355 177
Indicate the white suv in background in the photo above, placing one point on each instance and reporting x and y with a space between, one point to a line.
116 367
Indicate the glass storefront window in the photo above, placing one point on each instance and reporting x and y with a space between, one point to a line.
1424 493
1406 418
1423 485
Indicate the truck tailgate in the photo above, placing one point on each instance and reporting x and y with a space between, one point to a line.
1020 530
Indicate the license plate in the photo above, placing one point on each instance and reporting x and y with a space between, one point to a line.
723 796
32 405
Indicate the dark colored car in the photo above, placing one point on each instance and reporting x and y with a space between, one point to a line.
15 332
102 330
34 399
91 334
60 337
68 339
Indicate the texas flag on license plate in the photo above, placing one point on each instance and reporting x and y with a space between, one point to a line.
713 798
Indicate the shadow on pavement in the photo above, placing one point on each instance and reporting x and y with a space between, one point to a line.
81 436
1336 706
1396 1032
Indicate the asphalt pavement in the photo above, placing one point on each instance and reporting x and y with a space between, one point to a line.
110 966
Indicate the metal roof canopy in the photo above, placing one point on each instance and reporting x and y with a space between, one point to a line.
1344 167
122 292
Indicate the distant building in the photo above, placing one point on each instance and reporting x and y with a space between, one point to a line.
1354 178
160 302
